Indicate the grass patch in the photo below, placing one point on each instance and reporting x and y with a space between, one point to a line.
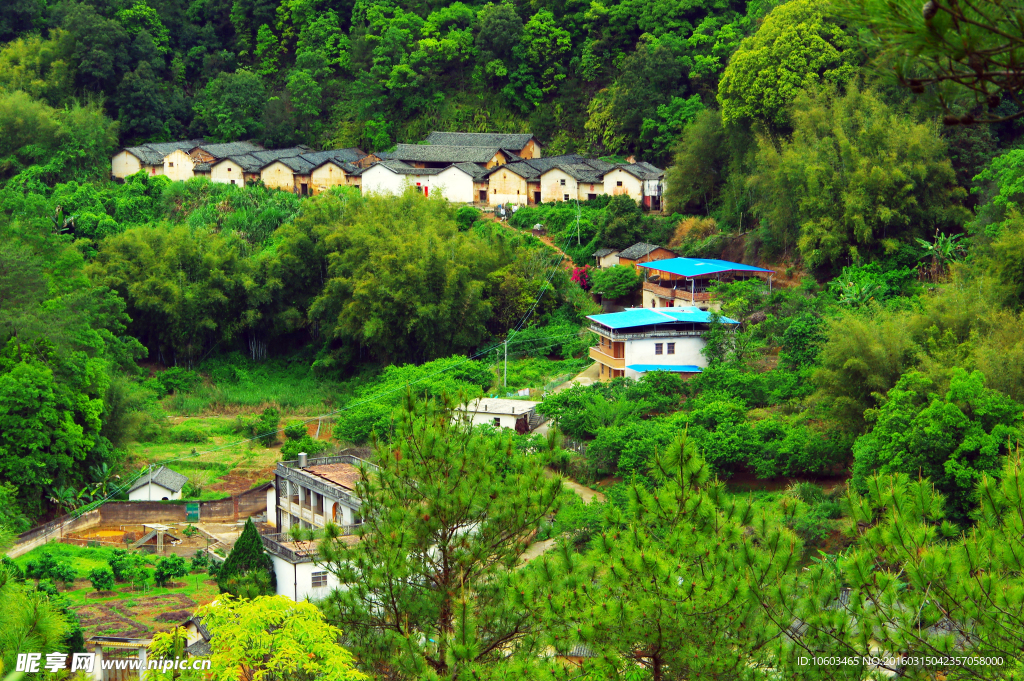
82 558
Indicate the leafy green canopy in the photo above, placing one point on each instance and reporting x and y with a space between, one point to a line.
798 46
856 180
430 585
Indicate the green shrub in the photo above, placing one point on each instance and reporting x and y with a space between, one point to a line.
291 448
295 430
168 568
173 381
465 217
200 561
187 434
239 573
102 579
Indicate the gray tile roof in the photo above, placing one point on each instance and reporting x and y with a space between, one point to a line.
521 168
503 140
248 163
601 252
153 154
431 153
162 476
581 168
642 170
638 250
475 171
200 648
225 149
348 155
201 168
402 168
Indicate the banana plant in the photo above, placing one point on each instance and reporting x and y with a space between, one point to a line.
943 250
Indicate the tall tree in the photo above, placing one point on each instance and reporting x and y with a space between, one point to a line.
430 585
663 584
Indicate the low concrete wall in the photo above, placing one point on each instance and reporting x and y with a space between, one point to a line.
52 530
245 505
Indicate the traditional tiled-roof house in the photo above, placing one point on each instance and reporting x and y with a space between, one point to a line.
391 176
643 252
642 182
148 157
523 145
442 156
516 183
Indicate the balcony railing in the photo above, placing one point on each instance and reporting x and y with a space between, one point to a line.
598 355
697 294
281 544
654 333
323 461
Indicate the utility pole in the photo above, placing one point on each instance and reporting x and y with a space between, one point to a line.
506 362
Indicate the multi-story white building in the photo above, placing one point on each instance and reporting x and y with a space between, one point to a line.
309 493
688 281
639 340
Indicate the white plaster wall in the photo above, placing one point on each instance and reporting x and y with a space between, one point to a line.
152 492
609 261
124 164
630 185
271 506
227 172
481 418
178 165
687 351
296 581
380 180
455 184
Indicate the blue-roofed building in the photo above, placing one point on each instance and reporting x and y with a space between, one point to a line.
687 281
639 340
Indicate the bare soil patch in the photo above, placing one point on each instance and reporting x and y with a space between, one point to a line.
174 616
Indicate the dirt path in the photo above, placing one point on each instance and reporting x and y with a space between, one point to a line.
566 263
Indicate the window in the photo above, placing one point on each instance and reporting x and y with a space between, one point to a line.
657 348
497 422
565 197
562 182
319 579
619 183
170 164
232 181
229 169
671 349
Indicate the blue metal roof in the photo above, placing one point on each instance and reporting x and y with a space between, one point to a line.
697 267
642 316
677 368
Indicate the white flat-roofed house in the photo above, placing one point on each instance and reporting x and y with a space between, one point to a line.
309 493
160 484
639 340
520 415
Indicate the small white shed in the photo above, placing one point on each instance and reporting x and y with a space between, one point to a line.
520 415
160 484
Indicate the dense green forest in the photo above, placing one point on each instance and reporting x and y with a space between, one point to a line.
869 152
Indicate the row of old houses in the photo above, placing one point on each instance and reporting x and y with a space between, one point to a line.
485 168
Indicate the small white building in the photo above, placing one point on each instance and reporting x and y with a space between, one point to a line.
520 415
392 177
639 340
606 257
309 493
161 484
458 182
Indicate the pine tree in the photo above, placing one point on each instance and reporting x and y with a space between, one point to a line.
246 564
431 585
914 585
663 586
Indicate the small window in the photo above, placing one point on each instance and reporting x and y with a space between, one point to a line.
170 164
565 197
497 422
562 182
232 181
229 169
657 348
671 349
619 183
319 579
